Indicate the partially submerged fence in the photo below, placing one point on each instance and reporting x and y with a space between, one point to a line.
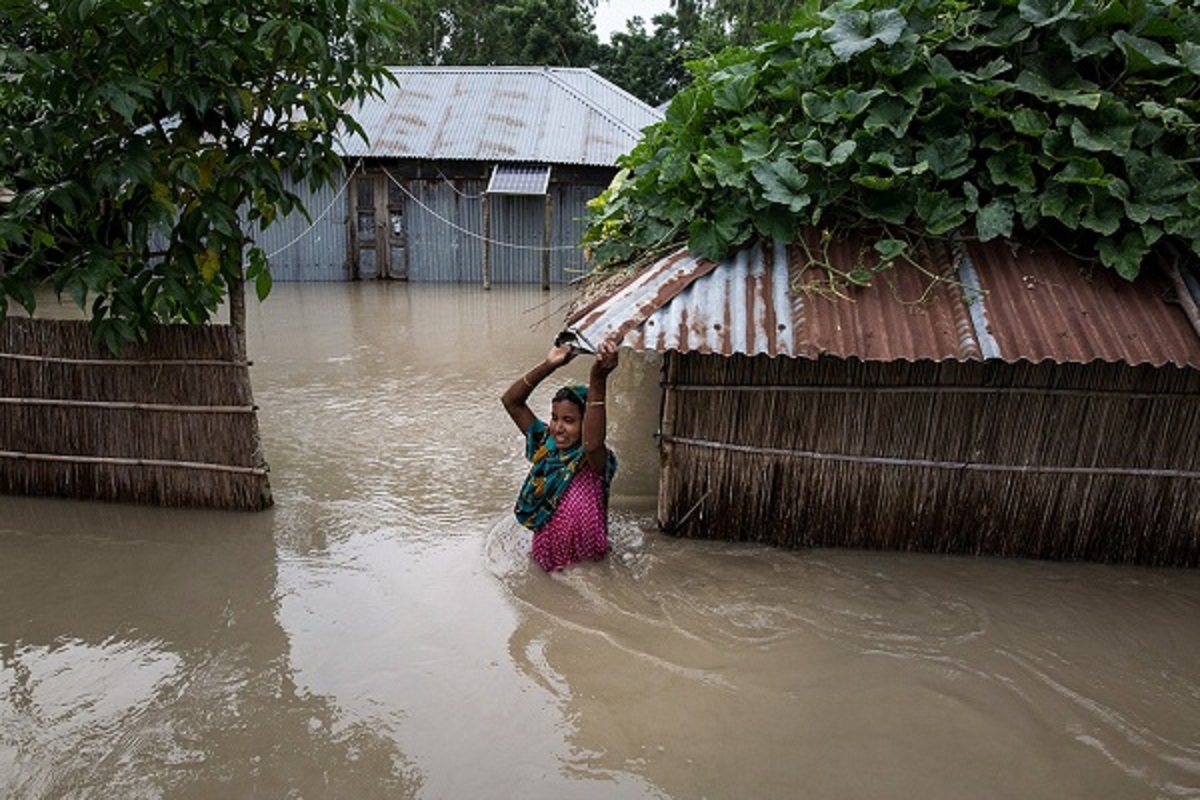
1087 461
168 422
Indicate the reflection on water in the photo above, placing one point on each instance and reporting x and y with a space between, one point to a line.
382 632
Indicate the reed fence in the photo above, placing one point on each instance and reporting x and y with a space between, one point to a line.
1090 461
170 421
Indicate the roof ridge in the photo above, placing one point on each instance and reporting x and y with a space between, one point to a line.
587 101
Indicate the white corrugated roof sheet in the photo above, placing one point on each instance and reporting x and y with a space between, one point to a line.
547 115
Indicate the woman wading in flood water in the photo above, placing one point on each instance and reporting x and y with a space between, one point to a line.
564 499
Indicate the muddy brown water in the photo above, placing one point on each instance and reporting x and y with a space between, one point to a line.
381 633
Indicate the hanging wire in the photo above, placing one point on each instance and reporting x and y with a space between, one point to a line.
321 216
430 211
456 190
473 234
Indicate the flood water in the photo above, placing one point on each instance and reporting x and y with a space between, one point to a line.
382 633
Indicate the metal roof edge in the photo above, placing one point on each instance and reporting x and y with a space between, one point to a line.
997 304
633 133
632 303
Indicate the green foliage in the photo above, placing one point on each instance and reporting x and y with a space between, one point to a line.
648 65
494 32
737 22
138 129
1074 120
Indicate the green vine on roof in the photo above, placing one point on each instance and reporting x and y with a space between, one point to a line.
1072 121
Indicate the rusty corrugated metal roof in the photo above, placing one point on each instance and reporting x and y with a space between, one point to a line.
1047 306
547 115
997 303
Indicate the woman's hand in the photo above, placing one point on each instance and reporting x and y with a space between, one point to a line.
559 355
606 357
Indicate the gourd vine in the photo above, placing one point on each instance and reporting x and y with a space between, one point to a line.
1069 122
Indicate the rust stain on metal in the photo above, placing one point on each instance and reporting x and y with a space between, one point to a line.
494 148
506 120
1047 306
1029 305
397 119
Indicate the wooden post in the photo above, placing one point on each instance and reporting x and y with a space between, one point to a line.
237 315
487 239
352 224
237 321
1184 295
547 221
666 432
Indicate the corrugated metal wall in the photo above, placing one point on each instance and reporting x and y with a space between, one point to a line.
445 230
444 233
298 250
570 221
516 239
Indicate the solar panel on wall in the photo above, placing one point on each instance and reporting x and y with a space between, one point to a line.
519 179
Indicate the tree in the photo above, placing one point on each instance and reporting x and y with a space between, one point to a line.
137 130
649 66
490 33
652 65
452 32
734 21
545 32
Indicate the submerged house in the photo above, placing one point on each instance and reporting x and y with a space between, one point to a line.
1024 405
469 174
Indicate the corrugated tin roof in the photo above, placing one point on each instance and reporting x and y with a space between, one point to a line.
548 115
999 303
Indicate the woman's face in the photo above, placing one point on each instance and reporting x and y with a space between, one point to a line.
566 424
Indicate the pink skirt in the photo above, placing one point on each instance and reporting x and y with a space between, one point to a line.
578 531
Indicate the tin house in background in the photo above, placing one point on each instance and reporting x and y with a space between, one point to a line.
470 174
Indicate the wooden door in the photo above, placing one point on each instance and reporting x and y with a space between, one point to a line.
378 233
396 263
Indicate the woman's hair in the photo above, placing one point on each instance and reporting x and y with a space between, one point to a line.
573 394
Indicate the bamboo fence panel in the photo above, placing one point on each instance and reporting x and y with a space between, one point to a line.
171 421
1097 461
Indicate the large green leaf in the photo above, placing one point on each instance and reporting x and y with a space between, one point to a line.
713 237
818 107
727 167
1109 129
1013 166
1103 213
1189 55
854 31
1030 122
940 212
1062 202
1074 92
1124 254
1142 54
848 103
995 220
1085 171
892 207
736 93
950 157
782 183
892 115
1041 13
813 151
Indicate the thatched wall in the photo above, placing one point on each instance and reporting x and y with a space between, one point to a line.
169 422
1097 461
